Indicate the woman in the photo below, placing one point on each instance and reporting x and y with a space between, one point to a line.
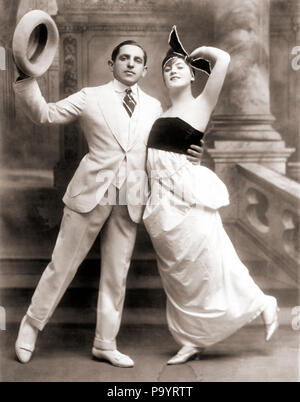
210 293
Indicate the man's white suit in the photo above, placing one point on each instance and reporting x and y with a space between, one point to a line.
97 111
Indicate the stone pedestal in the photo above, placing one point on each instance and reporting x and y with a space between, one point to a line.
293 171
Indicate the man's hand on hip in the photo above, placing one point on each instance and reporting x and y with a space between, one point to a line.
196 153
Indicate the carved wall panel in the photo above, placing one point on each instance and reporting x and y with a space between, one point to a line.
70 86
72 145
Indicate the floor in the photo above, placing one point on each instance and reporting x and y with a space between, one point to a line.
63 354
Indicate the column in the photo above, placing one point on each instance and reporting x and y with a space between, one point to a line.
242 128
293 168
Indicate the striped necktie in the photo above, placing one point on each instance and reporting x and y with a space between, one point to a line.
128 102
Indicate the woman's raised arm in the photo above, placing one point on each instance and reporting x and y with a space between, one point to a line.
220 61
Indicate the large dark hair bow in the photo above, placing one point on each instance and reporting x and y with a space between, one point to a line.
178 50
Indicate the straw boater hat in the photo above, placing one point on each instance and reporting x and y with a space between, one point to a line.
34 43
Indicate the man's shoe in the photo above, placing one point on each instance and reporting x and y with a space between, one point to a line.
185 353
114 357
26 340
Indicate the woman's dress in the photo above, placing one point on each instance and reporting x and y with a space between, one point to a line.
210 293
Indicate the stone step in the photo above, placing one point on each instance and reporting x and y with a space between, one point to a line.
143 273
19 274
80 297
29 229
87 316
145 299
134 316
142 297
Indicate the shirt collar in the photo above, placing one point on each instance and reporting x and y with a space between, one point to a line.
119 87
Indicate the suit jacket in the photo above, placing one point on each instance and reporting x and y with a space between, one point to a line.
95 108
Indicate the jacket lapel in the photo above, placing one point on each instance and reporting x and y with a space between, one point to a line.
108 104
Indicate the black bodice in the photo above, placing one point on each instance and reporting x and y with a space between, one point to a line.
174 135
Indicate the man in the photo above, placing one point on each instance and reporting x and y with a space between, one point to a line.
116 119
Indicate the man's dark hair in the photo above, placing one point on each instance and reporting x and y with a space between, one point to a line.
116 50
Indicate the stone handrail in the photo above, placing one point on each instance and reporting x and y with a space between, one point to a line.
269 210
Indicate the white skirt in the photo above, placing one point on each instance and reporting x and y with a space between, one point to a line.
210 293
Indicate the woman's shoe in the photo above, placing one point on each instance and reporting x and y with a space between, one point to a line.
185 353
270 317
26 340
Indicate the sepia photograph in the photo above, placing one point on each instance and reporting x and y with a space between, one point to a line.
149 194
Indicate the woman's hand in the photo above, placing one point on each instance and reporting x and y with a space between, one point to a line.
200 52
195 153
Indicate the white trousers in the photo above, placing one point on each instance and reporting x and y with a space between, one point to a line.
76 236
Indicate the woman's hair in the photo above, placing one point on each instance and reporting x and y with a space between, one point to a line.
170 55
116 50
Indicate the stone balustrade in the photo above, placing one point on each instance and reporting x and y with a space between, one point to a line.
269 211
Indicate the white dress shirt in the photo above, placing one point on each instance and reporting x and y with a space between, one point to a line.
127 123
